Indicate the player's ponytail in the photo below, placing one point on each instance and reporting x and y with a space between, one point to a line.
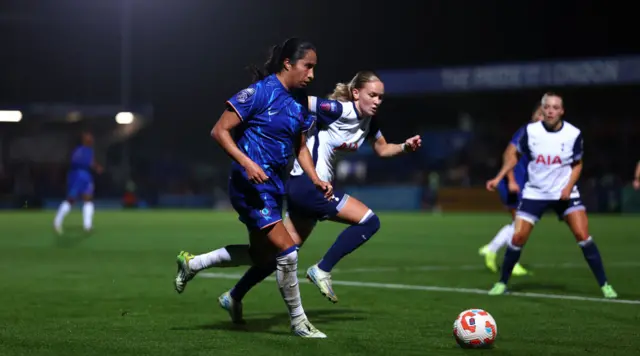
344 92
292 49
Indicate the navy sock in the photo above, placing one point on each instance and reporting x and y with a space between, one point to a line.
592 255
253 276
511 257
349 240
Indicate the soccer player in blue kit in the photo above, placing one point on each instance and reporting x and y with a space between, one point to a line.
270 118
510 190
80 184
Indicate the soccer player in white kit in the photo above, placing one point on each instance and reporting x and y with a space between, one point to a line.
555 149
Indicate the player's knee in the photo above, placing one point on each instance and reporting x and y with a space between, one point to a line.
288 258
519 239
373 222
581 236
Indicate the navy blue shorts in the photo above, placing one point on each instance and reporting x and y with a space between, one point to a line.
79 183
509 199
306 201
258 205
532 210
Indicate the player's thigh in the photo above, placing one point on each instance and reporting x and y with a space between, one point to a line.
352 211
578 222
299 227
271 239
306 202
87 190
528 214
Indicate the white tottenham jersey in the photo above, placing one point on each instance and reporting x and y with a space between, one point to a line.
338 128
551 154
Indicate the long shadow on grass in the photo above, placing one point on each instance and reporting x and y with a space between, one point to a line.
72 237
264 322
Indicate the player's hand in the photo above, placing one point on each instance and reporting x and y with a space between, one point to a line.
255 174
324 187
514 187
413 143
566 193
493 184
636 184
99 169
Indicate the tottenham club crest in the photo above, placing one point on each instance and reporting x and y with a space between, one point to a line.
244 95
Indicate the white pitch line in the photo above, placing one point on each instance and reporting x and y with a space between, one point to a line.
475 267
438 289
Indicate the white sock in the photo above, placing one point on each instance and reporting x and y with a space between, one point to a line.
287 279
63 210
502 238
87 215
229 256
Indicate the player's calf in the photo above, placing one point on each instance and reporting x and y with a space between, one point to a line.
350 239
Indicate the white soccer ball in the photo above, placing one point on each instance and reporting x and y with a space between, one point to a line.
475 328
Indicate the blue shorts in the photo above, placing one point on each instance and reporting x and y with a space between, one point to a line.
79 183
258 205
306 201
509 199
532 210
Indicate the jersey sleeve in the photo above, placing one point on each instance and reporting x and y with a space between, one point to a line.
327 111
521 140
578 148
248 102
374 130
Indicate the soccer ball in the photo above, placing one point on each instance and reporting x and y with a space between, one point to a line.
475 328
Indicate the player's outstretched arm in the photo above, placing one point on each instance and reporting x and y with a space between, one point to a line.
222 134
513 185
509 161
385 149
306 163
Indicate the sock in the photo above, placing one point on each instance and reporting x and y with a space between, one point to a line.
253 276
228 256
349 240
502 238
63 210
592 255
511 257
87 215
287 279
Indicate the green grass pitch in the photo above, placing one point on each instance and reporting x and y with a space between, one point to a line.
111 293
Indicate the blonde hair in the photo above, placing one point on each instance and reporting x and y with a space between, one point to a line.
344 92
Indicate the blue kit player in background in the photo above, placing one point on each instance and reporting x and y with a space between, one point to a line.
80 184
555 151
270 119
510 190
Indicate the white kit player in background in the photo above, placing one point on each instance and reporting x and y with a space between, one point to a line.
344 122
555 150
